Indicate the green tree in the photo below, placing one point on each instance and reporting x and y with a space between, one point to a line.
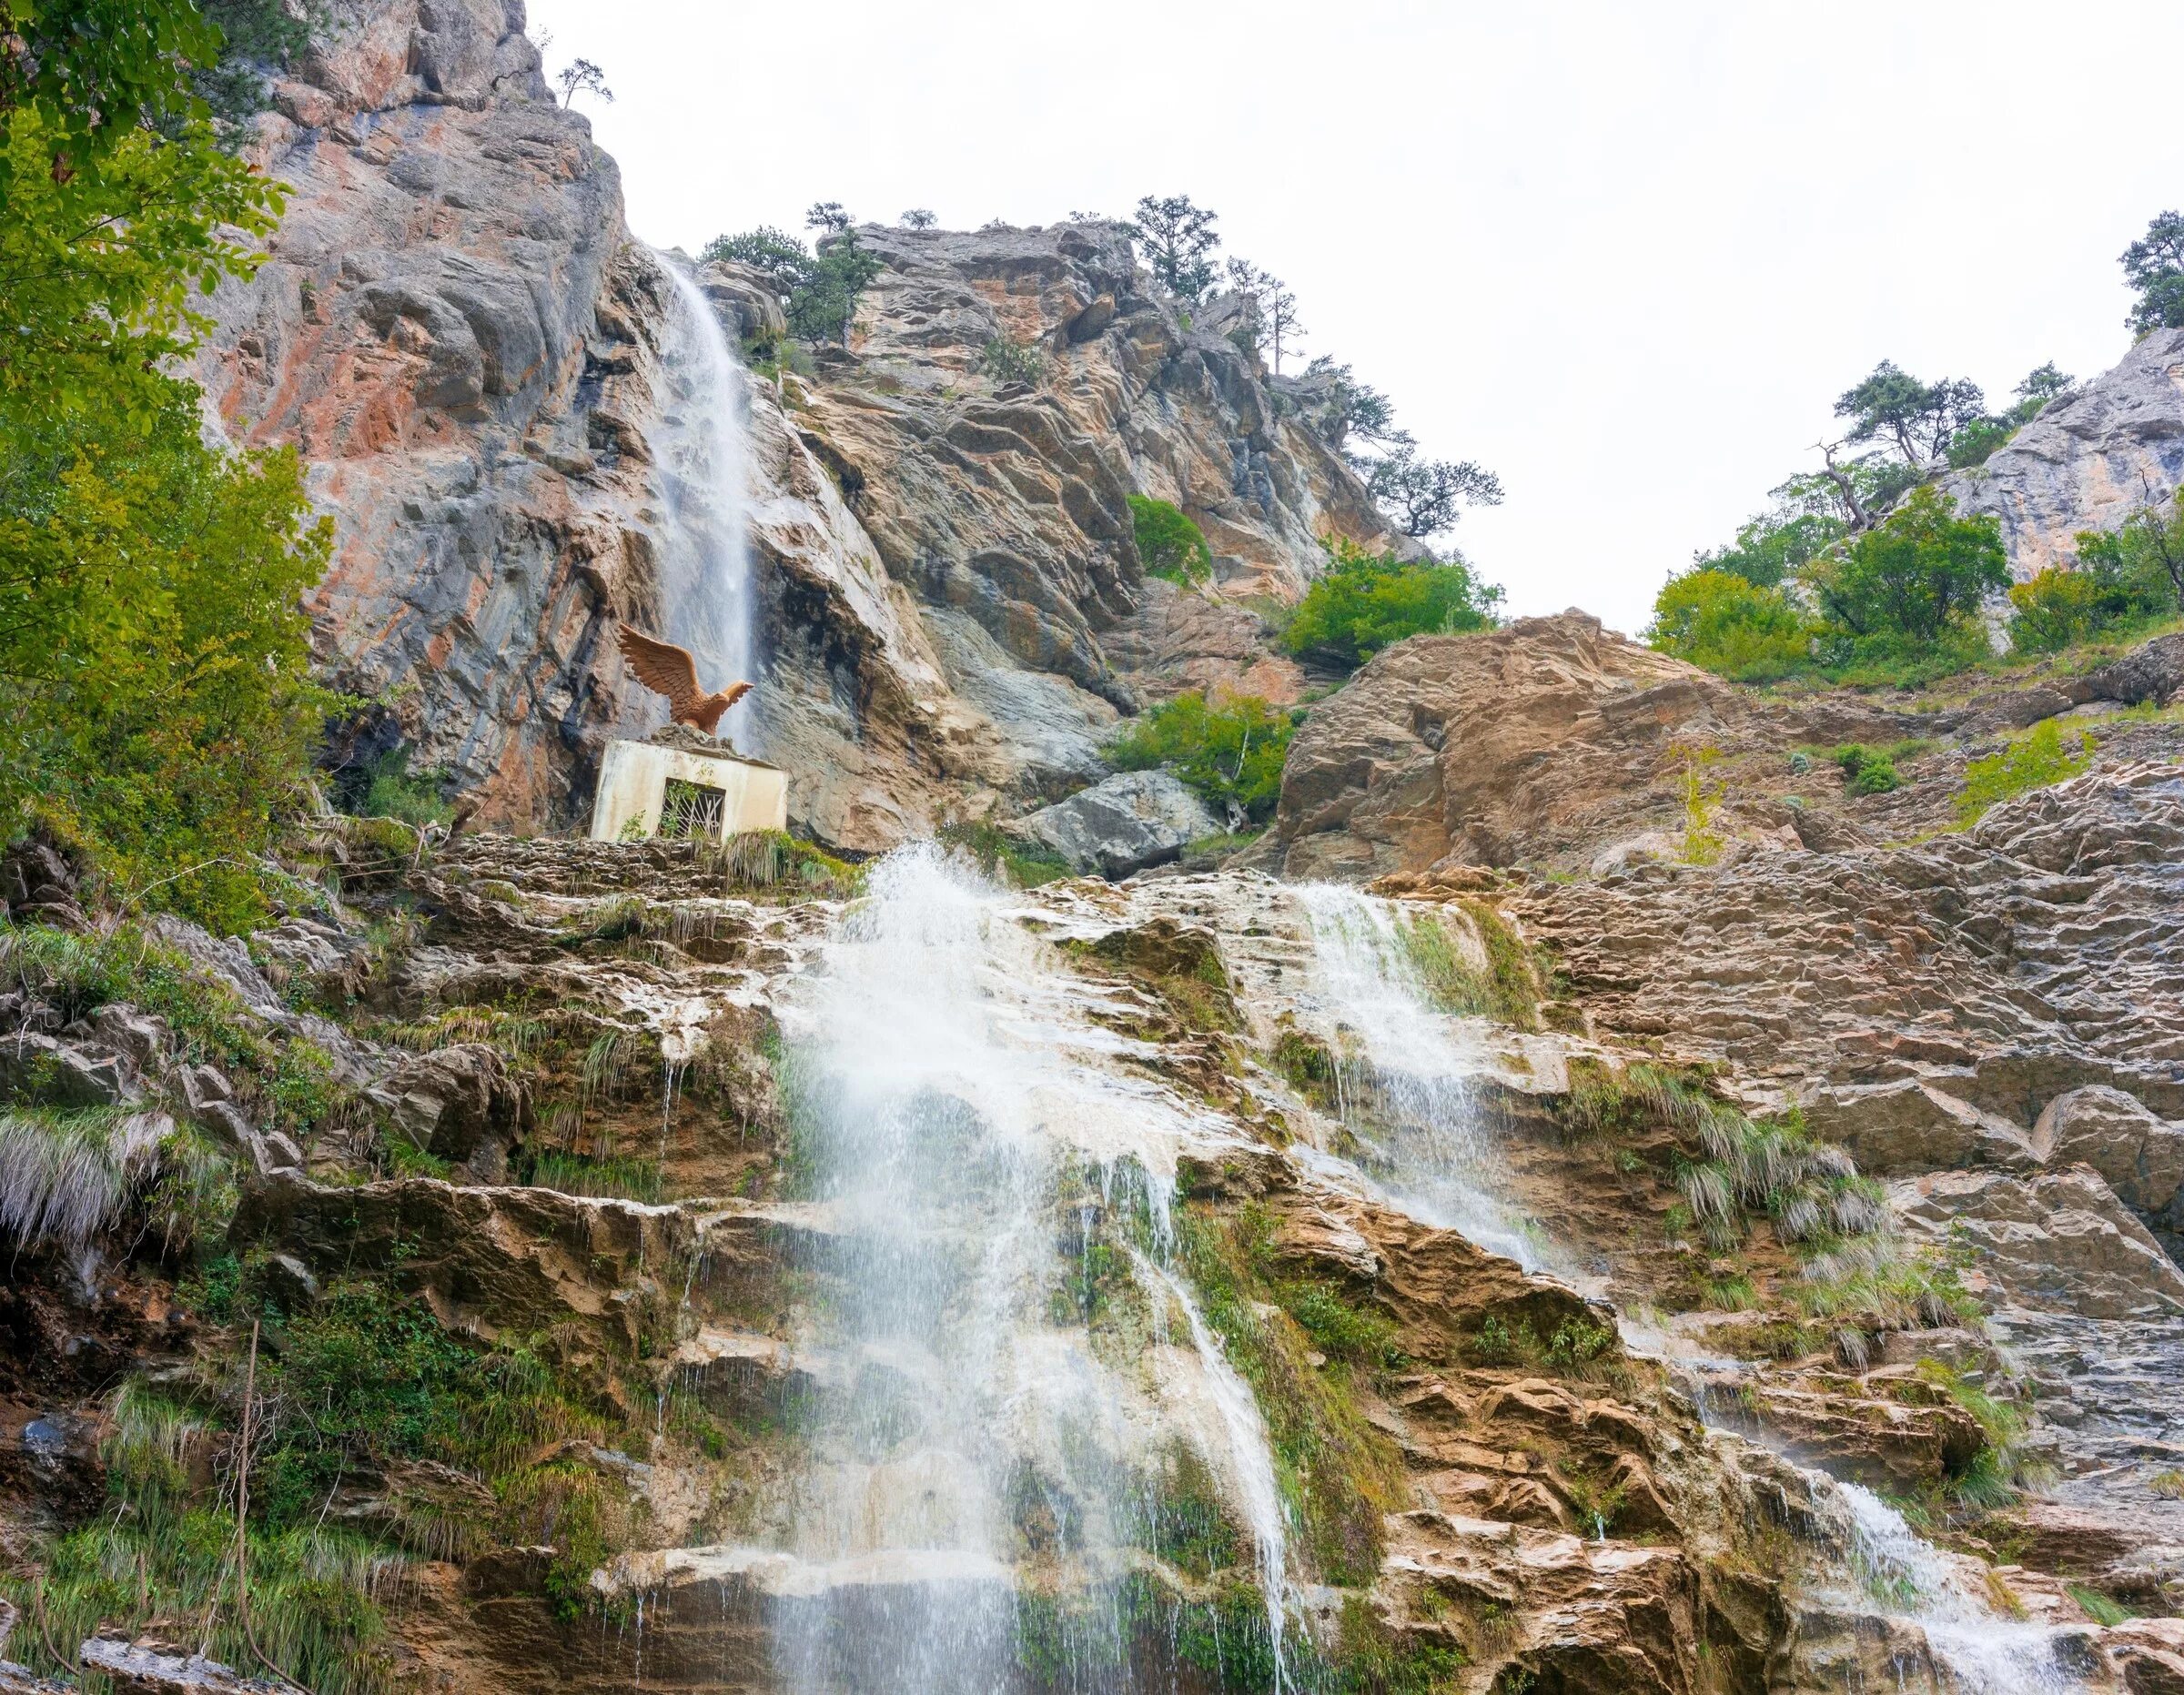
1361 603
2144 555
1421 496
1725 622
1918 417
1231 749
153 681
1179 242
1169 544
1917 575
1339 408
820 289
1772 547
2154 266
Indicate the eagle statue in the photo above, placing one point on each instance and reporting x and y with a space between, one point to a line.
666 668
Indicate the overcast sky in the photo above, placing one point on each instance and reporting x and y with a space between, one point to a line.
1623 256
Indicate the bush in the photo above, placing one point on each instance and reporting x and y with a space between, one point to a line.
1724 622
1867 770
1361 603
2033 761
1918 576
1231 749
1007 361
1169 543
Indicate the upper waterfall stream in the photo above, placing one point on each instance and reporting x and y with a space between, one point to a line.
703 450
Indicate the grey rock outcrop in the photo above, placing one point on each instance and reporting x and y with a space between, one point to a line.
481 371
1134 819
2088 461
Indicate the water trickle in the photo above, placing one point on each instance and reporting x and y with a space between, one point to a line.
1406 1074
1249 1456
700 444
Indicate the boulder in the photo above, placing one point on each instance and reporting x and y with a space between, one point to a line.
2153 673
2140 1153
2060 1243
458 1103
133 1671
2088 460
1133 820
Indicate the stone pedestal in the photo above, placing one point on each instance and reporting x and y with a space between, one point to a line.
648 789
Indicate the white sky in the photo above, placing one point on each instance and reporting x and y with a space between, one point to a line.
1624 256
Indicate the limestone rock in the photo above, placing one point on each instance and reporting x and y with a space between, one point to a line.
2088 460
2060 1241
2139 1154
458 1103
1134 819
1549 740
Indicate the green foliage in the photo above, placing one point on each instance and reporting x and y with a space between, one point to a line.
1916 576
259 40
1007 361
1023 865
1724 622
154 675
1866 771
1702 795
2154 266
2035 761
1772 548
1338 1328
1231 749
2143 558
1919 419
1336 1472
1505 991
1169 544
822 289
1361 603
2099 1608
1178 241
391 790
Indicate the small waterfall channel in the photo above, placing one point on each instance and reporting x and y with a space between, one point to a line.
701 443
991 1445
1406 1072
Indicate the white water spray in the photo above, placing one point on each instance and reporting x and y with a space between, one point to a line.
961 1110
701 446
1406 1074
1983 1652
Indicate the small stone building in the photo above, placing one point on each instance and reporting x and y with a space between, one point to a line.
654 789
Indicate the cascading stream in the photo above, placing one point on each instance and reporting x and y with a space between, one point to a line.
1983 1652
700 444
1406 1074
958 1112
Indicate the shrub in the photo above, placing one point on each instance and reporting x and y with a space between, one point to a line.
1361 603
1169 543
1866 771
2033 761
1231 749
391 790
1723 621
1007 361
1918 575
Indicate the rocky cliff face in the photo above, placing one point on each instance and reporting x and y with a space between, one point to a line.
457 331
2088 460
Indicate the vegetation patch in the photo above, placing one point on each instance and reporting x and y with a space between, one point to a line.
2035 761
1230 748
1170 542
1021 864
1361 603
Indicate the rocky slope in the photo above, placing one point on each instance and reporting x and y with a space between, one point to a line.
481 367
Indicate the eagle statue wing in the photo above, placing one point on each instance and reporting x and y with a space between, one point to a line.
662 667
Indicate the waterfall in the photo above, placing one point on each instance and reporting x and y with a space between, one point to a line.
1406 1073
700 444
1983 1652
968 1134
